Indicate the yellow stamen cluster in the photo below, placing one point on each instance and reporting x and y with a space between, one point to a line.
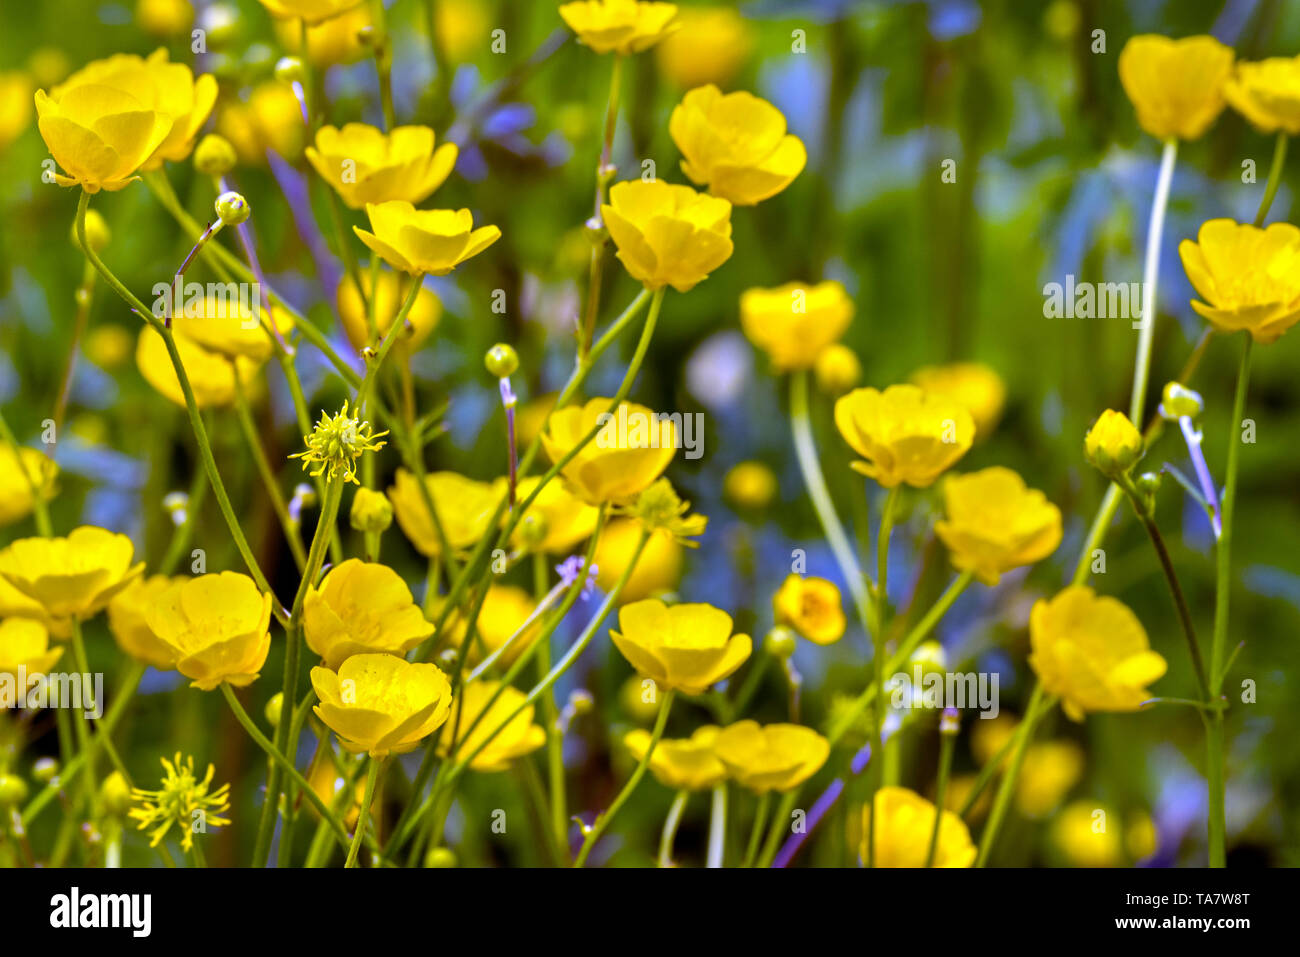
182 800
336 443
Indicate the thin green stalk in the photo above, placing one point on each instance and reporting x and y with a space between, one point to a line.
82 724
363 818
1150 280
1007 788
554 734
596 271
1274 177
757 831
947 744
717 826
671 823
878 778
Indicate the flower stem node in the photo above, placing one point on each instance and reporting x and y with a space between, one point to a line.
232 208
1113 445
13 790
501 360
275 709
780 642
1177 401
289 69
441 857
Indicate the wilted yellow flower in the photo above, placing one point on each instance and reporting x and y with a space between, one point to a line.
904 433
99 135
685 647
516 739
15 105
683 764
973 384
631 450
556 521
336 40
994 523
371 511
1091 651
211 376
1089 834
160 86
432 241
361 608
735 144
72 577
270 120
336 443
619 26
394 287
313 11
217 625
25 644
164 18
505 609
381 704
812 607
1249 277
668 235
903 829
750 485
1113 444
772 757
464 506
1049 770
657 570
21 469
1176 85
660 510
794 323
366 165
126 620
182 800
1267 93
710 47
227 326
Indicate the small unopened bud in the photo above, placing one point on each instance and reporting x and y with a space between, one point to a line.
501 360
97 232
533 530
1113 444
1148 483
220 23
780 642
447 659
45 769
289 69
371 511
275 709
13 790
115 795
440 857
837 369
232 208
214 156
1177 401
581 702
950 722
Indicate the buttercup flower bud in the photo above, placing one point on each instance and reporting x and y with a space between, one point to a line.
232 208
581 702
532 530
440 857
501 360
1113 444
214 156
13 790
371 511
1177 401
45 769
221 23
289 69
750 485
97 232
274 709
837 369
115 794
1148 483
780 642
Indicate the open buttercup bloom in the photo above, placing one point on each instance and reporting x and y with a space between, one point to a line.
217 625
474 704
904 823
1092 651
271 119
686 647
904 433
336 40
1176 86
464 505
99 135
228 326
127 621
631 450
211 375
366 165
668 235
993 523
381 704
424 241
71 577
973 384
24 644
683 764
505 609
556 521
735 144
170 89
619 26
361 608
312 11
1249 277
1267 93
796 322
770 757
393 288
711 46
658 570
21 469
1113 444
812 607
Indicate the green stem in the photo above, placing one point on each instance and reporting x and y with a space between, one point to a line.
596 271
1150 280
947 743
1007 788
671 823
718 826
878 776
756 832
82 724
554 734
363 818
1274 178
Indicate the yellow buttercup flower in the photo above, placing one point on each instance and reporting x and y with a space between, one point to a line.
736 144
711 46
212 378
462 25
336 40
181 800
1091 651
750 485
772 757
1049 770
619 26
684 647
15 105
631 450
25 644
812 607
683 764
381 704
516 739
903 827
228 326
994 523
127 621
465 508
366 165
1248 277
15 604
1113 444
312 11
668 235
1176 86
164 18
393 289
270 120
432 241
795 323
217 625
973 384
556 521
505 609
361 608
169 89
657 570
99 135
1267 93
72 577
904 433
21 469
837 369
1089 834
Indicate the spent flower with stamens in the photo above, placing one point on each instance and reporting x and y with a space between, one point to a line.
182 795
660 509
336 443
